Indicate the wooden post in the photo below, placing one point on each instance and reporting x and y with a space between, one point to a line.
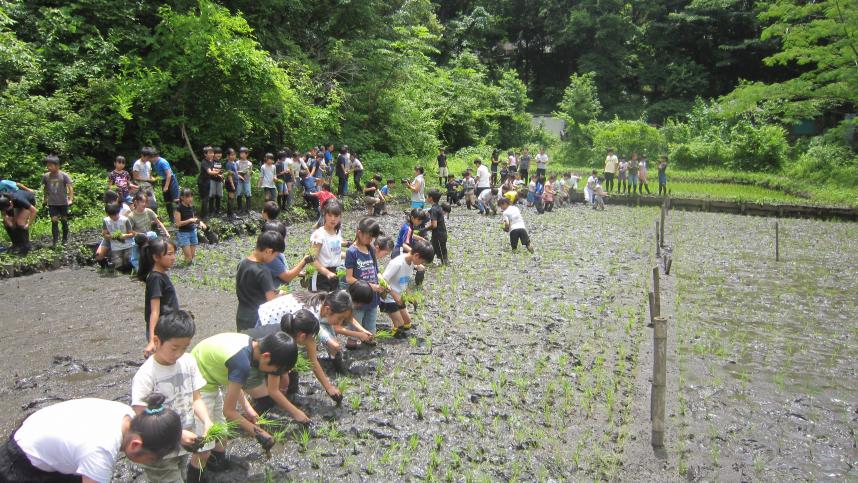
659 380
777 243
652 313
657 242
655 291
667 265
661 236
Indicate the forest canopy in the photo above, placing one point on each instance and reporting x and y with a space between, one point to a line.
722 81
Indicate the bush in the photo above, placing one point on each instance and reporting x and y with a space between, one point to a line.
757 148
699 154
824 162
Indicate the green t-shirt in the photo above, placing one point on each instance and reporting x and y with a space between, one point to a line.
224 358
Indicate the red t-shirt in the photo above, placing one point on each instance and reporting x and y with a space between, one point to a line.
324 196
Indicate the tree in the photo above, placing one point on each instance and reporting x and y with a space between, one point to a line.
579 106
819 37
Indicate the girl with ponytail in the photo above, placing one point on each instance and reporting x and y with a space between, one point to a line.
79 440
157 257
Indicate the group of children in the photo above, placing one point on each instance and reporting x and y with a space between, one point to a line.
632 175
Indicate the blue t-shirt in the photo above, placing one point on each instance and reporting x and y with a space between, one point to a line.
8 186
238 366
363 268
309 184
232 166
329 156
161 167
277 267
403 237
385 190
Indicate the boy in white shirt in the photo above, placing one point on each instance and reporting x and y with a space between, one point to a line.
396 276
514 224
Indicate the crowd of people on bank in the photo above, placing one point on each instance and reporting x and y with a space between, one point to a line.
179 396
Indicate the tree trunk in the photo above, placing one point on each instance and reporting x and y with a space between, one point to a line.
188 144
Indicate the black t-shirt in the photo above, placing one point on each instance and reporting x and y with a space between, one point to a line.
158 285
205 166
186 213
436 214
252 282
442 160
451 186
342 160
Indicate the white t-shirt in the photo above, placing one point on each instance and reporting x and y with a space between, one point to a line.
77 437
574 179
176 382
485 196
397 274
272 312
611 163
330 254
418 195
144 168
122 224
356 165
513 215
268 173
541 160
483 177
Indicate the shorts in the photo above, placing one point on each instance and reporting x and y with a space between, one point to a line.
324 284
23 199
187 238
366 316
519 234
167 470
522 171
270 193
215 189
243 188
58 210
214 404
171 194
418 205
121 258
15 467
326 332
283 188
442 172
388 307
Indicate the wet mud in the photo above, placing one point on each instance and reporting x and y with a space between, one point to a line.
520 366
767 349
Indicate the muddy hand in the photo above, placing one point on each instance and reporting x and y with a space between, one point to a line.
337 397
264 439
193 446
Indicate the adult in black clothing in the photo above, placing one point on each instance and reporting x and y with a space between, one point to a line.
442 166
341 171
203 180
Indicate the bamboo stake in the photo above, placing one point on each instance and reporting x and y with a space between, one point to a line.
659 380
777 243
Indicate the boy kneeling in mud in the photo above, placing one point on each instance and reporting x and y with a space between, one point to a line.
396 276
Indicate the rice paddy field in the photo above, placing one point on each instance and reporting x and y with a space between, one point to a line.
521 367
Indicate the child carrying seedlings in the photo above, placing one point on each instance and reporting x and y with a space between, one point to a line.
142 221
157 257
79 440
253 283
438 226
245 171
230 184
406 235
280 271
662 175
362 265
267 178
469 184
119 180
187 222
396 276
232 363
514 224
326 244
116 229
173 372
453 193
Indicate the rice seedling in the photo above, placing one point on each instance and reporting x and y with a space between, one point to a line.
221 432
302 364
354 401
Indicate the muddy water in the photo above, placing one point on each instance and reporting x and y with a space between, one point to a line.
767 349
520 367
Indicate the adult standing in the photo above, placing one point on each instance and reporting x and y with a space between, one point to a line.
541 163
357 171
442 166
612 164
141 173
417 187
524 166
483 177
342 170
495 162
170 185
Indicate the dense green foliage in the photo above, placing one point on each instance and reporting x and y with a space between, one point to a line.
709 83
